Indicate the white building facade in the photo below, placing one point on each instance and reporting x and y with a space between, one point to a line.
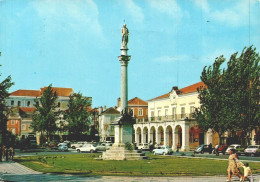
171 123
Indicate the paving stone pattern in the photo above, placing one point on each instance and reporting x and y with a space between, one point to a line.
12 171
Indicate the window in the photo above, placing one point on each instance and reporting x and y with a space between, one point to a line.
192 109
166 113
112 118
13 122
13 130
140 112
159 112
152 113
19 103
28 104
183 113
23 127
174 112
12 102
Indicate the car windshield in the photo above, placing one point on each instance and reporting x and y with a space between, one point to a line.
253 146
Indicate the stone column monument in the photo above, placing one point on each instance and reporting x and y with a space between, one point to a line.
124 125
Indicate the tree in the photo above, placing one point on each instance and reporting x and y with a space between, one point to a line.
243 80
4 87
46 113
77 115
230 99
209 114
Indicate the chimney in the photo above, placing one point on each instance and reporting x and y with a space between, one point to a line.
100 109
118 102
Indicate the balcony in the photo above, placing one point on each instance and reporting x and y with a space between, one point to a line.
142 120
175 117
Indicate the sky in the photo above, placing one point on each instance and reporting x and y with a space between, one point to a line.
76 43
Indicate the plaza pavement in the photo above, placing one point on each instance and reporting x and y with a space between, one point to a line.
12 171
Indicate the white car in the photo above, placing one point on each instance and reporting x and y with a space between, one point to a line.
77 145
103 146
87 148
143 146
253 150
162 150
232 146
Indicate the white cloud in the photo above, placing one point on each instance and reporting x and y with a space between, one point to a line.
171 59
59 15
232 14
134 10
203 4
169 7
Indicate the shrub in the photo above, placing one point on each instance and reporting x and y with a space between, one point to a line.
129 146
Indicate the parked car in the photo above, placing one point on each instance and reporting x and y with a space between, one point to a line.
87 148
68 143
162 150
221 149
62 147
103 146
52 145
253 150
143 146
232 146
77 144
201 149
240 150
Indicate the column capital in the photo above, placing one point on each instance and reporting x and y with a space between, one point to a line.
124 58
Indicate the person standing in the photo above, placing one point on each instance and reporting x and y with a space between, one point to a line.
216 150
178 146
210 148
1 153
6 154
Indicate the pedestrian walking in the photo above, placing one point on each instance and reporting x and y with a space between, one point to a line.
247 172
232 165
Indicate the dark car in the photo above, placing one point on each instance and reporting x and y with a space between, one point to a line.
202 148
220 149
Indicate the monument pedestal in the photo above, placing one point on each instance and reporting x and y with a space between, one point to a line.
119 152
123 135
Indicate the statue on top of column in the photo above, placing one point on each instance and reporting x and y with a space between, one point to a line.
125 34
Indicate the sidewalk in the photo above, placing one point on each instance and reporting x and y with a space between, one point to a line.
12 171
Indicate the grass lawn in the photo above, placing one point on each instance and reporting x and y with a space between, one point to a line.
154 166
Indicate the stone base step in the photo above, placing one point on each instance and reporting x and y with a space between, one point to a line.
120 153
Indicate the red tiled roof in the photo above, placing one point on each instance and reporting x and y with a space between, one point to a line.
137 101
161 97
60 91
27 109
32 93
185 90
192 88
111 110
